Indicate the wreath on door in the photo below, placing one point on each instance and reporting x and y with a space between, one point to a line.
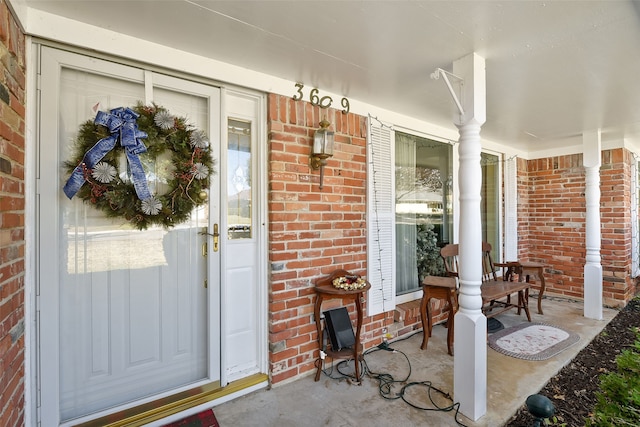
118 167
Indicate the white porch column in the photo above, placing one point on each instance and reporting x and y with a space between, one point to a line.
470 331
591 145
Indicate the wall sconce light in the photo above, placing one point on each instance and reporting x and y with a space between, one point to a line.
322 148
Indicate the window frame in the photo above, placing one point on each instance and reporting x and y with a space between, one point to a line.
389 300
417 293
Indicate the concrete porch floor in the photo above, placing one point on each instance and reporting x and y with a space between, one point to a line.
304 402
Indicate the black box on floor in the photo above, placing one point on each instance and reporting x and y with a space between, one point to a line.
339 328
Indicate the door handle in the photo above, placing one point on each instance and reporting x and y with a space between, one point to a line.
216 237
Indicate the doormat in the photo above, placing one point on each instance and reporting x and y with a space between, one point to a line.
532 341
201 419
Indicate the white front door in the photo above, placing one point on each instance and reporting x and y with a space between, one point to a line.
124 315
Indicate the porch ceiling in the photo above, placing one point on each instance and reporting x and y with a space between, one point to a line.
554 68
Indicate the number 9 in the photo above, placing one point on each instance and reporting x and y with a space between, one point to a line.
345 105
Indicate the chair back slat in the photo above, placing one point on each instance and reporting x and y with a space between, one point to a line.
496 294
488 268
449 255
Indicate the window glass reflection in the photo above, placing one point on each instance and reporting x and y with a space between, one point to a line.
424 213
239 180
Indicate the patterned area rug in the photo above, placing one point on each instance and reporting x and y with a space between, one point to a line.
532 341
202 419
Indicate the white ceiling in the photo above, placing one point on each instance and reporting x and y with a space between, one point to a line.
554 68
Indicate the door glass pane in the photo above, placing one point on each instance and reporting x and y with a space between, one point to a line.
239 180
424 220
490 194
196 110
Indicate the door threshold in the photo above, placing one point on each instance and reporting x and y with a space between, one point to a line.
161 408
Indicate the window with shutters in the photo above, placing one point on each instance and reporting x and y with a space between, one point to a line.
410 203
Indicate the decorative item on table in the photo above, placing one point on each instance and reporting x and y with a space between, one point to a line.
349 283
123 172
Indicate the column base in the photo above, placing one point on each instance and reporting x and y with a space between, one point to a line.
470 364
593 291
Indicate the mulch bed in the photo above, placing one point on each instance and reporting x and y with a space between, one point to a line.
573 389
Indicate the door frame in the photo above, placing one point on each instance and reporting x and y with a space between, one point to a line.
32 393
260 188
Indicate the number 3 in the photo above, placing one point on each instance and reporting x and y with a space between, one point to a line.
298 96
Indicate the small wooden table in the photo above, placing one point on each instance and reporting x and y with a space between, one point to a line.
325 290
438 288
535 269
525 270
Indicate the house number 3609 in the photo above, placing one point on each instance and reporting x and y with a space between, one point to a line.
316 100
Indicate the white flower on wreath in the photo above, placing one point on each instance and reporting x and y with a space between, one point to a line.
198 139
200 171
104 172
164 120
151 206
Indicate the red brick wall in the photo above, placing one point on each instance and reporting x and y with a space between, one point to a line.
312 231
523 206
12 115
616 217
552 213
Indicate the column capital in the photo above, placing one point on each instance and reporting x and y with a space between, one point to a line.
591 147
471 69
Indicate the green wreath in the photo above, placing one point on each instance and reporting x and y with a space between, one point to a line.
155 133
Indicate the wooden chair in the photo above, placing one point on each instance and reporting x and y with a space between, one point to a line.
495 287
489 275
496 291
449 255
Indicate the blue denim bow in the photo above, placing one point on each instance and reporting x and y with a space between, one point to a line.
121 123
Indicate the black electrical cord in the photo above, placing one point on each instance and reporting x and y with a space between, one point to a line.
455 406
342 375
386 382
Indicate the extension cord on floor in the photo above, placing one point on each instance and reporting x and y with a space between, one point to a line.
384 346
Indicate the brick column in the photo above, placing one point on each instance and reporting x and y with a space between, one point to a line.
12 202
311 231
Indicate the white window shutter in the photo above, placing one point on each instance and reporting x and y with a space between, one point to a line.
511 209
380 220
